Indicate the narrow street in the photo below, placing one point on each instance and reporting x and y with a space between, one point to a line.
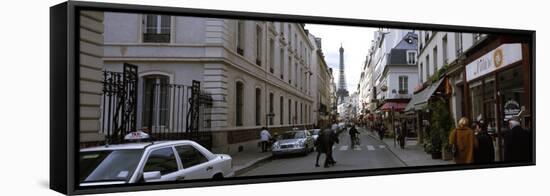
369 155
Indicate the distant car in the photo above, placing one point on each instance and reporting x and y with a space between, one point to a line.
293 142
151 162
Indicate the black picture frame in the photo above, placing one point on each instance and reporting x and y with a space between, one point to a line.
64 88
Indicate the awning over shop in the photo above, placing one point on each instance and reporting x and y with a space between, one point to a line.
420 100
397 107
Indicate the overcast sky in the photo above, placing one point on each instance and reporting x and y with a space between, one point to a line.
355 41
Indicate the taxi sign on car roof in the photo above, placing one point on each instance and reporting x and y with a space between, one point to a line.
136 135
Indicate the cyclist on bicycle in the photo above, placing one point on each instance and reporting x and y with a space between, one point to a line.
353 134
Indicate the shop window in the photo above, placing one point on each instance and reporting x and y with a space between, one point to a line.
512 98
476 94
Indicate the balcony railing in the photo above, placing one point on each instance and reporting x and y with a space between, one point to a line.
156 38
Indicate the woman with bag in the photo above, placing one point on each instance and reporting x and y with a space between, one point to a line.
463 141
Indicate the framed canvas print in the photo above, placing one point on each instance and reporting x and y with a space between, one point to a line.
148 97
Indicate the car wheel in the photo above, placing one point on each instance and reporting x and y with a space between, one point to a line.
218 176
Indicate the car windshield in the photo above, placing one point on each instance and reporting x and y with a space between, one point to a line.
108 165
294 135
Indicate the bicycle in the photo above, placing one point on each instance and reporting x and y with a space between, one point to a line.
355 141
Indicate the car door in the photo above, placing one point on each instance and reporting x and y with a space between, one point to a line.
164 161
195 164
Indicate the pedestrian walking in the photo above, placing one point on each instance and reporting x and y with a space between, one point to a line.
320 147
326 140
265 137
381 131
403 135
517 142
485 151
463 141
334 126
353 136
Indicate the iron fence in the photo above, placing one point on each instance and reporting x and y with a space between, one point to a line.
164 111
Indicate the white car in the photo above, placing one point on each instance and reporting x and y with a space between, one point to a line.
292 142
151 162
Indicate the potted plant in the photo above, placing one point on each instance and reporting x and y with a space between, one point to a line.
432 143
442 124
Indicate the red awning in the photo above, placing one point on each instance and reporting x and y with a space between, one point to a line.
398 107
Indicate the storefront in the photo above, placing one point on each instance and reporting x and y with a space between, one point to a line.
498 87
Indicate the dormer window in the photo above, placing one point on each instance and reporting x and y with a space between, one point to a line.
411 57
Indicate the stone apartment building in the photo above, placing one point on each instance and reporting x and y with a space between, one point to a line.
255 73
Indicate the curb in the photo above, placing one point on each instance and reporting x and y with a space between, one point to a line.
245 168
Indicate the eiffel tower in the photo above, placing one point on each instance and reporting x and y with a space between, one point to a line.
342 88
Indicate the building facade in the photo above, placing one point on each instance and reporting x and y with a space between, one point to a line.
484 77
321 80
389 74
257 73
91 66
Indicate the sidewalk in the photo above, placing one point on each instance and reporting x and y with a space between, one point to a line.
245 160
412 155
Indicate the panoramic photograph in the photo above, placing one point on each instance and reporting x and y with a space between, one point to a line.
176 98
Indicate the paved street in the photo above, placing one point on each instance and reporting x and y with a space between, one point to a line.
370 154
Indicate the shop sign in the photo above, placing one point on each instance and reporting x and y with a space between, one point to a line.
511 108
500 57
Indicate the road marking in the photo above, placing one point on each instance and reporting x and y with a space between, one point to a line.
370 147
357 148
382 146
344 147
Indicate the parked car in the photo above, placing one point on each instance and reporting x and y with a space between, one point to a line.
151 162
293 142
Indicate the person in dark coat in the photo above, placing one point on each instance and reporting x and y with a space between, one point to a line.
485 151
517 143
402 135
353 135
381 131
320 147
326 140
